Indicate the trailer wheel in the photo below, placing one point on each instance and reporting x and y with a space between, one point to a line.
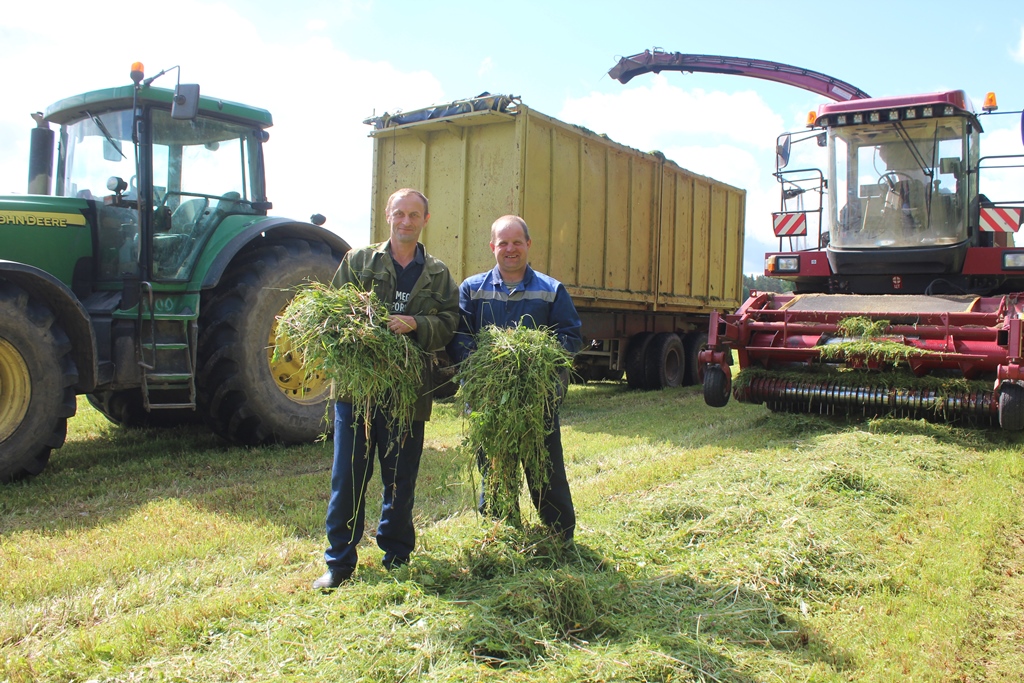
636 365
717 386
694 342
666 362
37 380
1011 406
248 396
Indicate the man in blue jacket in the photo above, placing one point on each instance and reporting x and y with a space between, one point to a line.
510 294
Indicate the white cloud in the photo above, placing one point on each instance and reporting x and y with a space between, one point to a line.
485 66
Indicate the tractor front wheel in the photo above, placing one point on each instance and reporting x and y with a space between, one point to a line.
249 394
37 379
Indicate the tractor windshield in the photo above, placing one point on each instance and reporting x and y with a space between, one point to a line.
202 169
898 184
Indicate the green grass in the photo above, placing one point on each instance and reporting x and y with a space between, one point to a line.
714 545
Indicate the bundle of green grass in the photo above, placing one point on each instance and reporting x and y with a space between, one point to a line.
342 334
512 384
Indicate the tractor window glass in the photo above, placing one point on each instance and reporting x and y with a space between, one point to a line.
205 174
97 153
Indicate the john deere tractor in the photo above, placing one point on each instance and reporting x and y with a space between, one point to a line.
142 270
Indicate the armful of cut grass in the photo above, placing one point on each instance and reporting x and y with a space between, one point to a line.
342 333
512 384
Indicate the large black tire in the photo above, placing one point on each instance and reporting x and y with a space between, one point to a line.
126 408
37 383
1011 406
717 386
665 362
636 360
246 400
694 342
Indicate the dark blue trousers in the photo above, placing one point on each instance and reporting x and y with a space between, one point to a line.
553 501
399 456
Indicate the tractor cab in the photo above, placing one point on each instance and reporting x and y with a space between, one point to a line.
158 201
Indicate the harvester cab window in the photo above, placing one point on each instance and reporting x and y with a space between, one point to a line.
899 185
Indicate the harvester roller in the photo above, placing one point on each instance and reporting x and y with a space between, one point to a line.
832 397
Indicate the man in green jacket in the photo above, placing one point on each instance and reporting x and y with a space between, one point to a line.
423 300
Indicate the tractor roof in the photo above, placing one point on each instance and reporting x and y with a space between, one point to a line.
97 101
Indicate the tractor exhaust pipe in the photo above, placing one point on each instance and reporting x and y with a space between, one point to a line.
40 157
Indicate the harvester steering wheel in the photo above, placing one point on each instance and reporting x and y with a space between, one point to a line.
892 178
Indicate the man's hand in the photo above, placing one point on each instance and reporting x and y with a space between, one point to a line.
402 324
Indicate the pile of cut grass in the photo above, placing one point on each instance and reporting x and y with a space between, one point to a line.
342 333
512 383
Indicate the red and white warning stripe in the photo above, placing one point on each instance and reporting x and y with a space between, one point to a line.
1000 220
790 224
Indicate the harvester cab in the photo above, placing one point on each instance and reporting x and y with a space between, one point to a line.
897 208
908 284
142 270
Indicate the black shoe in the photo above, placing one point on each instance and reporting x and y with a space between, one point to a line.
392 562
333 577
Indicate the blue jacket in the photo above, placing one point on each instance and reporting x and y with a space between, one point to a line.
539 301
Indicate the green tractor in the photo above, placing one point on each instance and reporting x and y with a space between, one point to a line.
151 278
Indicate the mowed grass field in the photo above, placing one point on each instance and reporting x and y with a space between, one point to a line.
714 545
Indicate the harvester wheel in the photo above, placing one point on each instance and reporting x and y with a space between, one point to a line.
666 362
1011 406
37 380
694 342
636 355
717 386
247 394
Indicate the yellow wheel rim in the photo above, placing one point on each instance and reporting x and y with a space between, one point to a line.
286 367
15 389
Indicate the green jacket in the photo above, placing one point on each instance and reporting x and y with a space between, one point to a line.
433 302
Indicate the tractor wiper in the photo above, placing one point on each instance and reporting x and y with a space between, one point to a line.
106 133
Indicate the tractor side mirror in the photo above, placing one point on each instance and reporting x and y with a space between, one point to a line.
185 105
782 149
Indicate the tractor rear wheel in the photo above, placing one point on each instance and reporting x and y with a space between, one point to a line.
247 393
666 363
37 380
126 408
717 386
1011 406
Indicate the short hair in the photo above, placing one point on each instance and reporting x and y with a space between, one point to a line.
511 218
398 194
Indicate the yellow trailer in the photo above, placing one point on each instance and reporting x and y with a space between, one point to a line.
646 248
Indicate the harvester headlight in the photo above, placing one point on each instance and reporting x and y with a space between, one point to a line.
926 112
782 264
858 118
1013 260
874 117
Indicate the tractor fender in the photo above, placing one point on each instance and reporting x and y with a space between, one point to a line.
69 311
271 228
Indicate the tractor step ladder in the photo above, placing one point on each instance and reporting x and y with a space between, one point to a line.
168 366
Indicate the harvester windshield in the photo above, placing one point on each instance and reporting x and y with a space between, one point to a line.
899 184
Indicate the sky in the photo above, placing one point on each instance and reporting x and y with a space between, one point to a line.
321 67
